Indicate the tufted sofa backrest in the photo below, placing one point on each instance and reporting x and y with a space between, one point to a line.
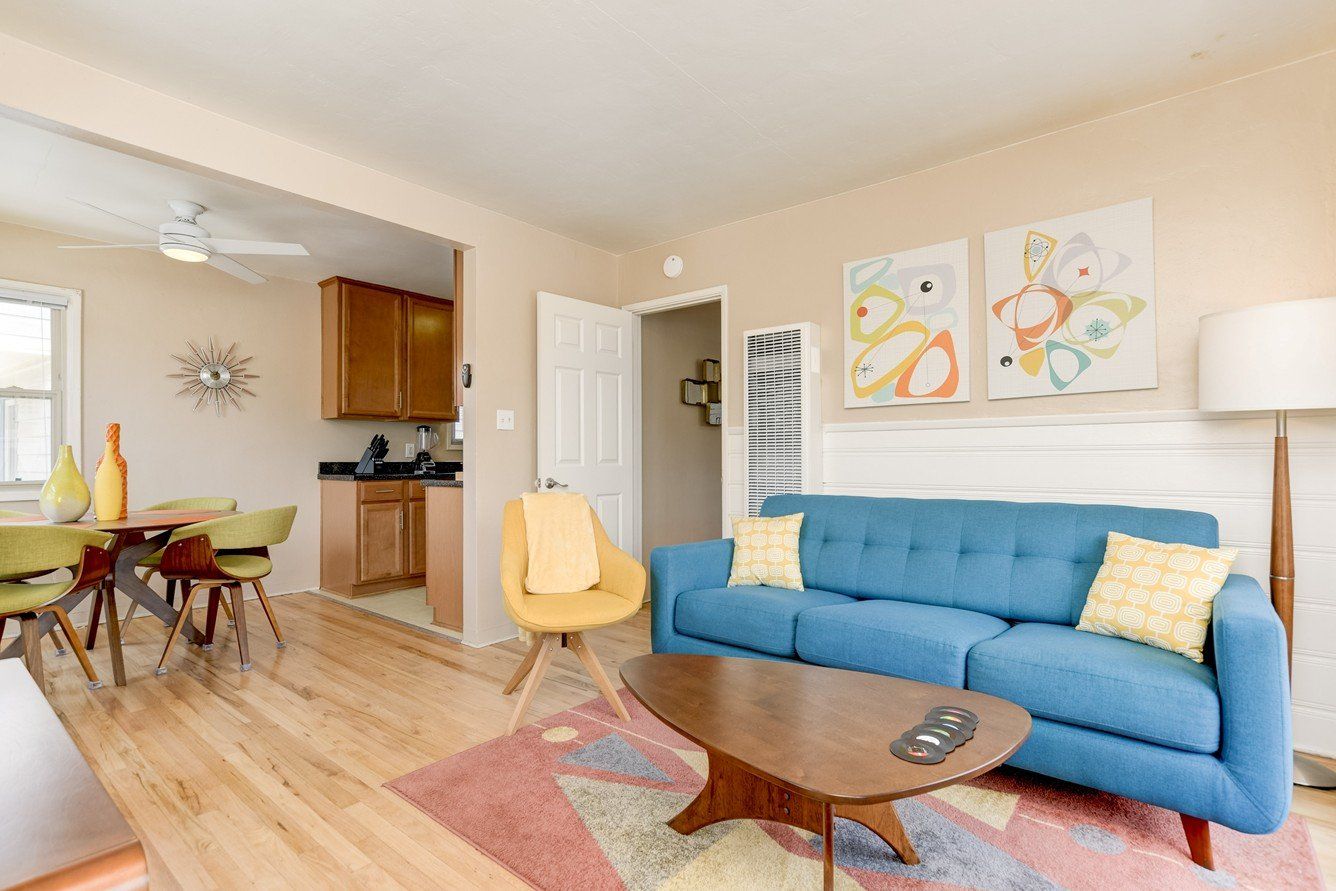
1025 562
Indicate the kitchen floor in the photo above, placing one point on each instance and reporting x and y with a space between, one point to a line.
407 607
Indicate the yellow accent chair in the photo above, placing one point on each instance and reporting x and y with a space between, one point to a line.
29 552
8 514
151 562
225 554
560 620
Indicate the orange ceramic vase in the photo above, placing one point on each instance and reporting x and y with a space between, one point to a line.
113 451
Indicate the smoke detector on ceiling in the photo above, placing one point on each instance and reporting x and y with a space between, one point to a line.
672 267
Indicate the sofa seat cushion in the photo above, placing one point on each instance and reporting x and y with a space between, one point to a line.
908 640
1106 683
757 617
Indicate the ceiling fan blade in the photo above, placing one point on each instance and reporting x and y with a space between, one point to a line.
232 267
116 215
102 247
237 246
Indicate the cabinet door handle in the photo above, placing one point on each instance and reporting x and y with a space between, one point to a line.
398 401
401 518
384 491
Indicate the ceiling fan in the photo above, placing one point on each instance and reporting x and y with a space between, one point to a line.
184 239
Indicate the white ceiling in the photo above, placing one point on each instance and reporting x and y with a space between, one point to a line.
40 171
626 122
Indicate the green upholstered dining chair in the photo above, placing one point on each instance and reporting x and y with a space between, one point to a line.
29 552
150 563
225 554
4 514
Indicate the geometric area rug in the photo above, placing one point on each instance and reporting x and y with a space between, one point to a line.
579 800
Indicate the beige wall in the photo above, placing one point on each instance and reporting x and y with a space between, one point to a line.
138 309
681 455
1243 177
509 263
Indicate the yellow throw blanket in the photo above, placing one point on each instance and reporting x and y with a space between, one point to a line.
562 554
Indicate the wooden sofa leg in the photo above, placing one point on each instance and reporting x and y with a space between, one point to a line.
1198 832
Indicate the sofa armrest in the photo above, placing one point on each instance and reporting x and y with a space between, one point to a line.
1252 669
685 567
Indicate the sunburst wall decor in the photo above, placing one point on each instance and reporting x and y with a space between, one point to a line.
215 377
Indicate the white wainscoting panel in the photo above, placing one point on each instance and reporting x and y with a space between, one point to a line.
735 499
1221 465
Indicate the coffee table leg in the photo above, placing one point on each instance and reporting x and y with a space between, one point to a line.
827 848
885 822
733 793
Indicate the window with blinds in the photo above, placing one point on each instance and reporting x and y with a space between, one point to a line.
779 414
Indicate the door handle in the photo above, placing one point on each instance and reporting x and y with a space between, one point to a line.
548 483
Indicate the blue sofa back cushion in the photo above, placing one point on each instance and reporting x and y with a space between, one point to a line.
1030 562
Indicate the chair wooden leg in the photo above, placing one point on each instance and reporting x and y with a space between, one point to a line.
171 592
595 669
550 644
72 636
525 664
94 619
211 618
114 634
55 641
129 617
269 613
181 619
1198 832
32 648
227 611
239 611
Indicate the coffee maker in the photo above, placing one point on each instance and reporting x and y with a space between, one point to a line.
427 439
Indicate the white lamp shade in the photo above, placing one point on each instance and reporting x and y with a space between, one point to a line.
1273 357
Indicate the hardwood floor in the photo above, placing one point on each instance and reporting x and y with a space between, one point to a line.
272 778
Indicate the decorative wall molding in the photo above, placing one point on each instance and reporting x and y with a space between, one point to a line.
1220 464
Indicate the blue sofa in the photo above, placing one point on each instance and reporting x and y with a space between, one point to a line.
986 595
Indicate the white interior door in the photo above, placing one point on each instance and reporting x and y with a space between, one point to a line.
586 378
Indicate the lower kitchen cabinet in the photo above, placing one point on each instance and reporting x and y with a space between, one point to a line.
372 536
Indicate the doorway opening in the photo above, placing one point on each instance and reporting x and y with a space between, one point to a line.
681 396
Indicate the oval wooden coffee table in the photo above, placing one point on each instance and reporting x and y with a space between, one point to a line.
802 745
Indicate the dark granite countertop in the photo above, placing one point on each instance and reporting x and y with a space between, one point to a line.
448 484
342 471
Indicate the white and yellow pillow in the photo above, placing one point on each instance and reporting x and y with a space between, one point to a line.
1155 593
765 552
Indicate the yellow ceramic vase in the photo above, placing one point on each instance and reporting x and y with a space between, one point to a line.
109 482
65 497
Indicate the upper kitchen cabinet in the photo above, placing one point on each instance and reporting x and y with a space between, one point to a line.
386 353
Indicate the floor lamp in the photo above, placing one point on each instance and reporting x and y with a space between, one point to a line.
1275 357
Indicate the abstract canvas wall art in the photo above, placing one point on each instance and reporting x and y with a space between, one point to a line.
906 327
1070 304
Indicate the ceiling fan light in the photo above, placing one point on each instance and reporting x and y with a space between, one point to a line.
187 253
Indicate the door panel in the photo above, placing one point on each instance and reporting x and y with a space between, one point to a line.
380 541
586 378
372 350
430 361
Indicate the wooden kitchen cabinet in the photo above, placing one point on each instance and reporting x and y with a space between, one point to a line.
445 556
387 353
373 536
417 537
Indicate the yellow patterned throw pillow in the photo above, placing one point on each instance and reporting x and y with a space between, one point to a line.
765 552
1155 593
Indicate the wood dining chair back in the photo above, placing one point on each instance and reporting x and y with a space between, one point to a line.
150 563
29 553
224 554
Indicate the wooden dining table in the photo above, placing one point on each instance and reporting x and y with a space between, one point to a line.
134 537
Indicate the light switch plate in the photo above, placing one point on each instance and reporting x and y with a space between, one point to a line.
505 419
408 450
